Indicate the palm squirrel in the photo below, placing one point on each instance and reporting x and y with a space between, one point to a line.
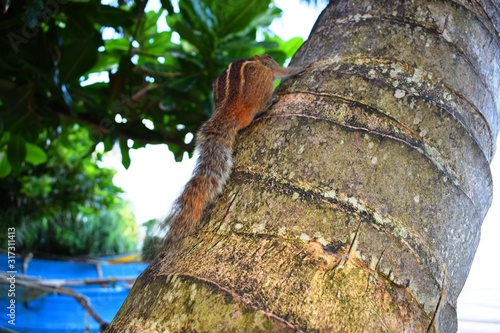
241 92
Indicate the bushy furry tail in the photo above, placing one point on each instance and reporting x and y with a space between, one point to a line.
210 175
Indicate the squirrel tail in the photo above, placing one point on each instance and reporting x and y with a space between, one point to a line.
210 175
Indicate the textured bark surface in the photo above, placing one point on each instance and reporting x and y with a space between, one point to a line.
356 202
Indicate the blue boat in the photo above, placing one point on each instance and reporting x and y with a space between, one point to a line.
49 297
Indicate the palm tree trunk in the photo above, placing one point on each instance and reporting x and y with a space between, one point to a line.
356 202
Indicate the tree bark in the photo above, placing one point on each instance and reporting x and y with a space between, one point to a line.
356 202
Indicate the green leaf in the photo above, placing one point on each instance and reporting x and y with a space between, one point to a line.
16 151
113 17
76 59
105 62
125 153
149 26
167 4
178 153
183 83
291 46
286 48
5 167
34 154
199 15
120 44
79 54
17 103
177 23
157 44
235 17
265 19
108 143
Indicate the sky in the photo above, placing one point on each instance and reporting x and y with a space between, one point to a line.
154 180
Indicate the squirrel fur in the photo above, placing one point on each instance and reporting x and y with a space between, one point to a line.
241 92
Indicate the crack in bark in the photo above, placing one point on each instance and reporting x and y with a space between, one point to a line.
349 255
348 60
286 186
430 328
494 35
239 299
428 27
477 112
351 248
378 275
230 204
441 167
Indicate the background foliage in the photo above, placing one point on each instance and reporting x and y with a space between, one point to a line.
156 89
